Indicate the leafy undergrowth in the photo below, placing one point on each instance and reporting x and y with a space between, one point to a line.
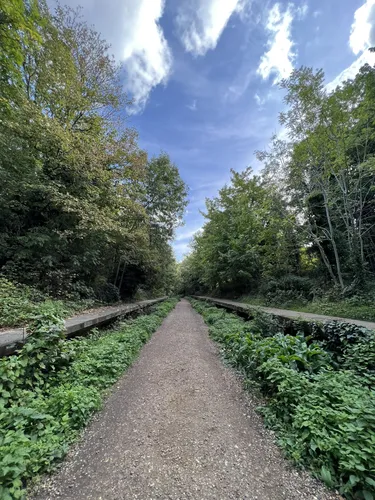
321 397
20 305
356 307
52 387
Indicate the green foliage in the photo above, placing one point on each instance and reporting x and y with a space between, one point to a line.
324 418
337 336
287 289
247 235
356 307
80 203
306 223
20 304
52 387
360 357
108 293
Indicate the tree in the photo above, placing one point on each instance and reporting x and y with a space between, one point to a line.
75 184
246 239
164 196
310 214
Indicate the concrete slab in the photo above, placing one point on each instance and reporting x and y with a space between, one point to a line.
285 313
11 339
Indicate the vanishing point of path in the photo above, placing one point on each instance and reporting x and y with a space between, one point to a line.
179 426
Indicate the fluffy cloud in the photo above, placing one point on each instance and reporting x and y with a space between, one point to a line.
132 28
350 72
362 34
147 56
200 23
278 60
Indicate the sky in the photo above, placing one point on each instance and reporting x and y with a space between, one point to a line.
204 75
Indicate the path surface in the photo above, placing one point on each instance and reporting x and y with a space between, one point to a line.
179 426
286 313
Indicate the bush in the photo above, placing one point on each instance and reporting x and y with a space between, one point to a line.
108 293
360 357
51 389
328 422
142 294
337 336
325 418
20 304
289 288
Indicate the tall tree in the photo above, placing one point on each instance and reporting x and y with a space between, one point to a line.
73 211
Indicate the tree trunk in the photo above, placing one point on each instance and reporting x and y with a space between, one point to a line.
333 241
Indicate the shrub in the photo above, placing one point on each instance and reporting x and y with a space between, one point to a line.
20 305
50 390
360 357
330 427
325 418
289 288
336 335
73 404
108 293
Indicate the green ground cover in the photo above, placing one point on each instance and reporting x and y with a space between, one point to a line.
20 305
352 308
320 392
52 387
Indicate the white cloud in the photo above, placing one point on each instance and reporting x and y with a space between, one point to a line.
136 38
192 106
188 234
362 34
200 23
302 10
181 250
278 60
352 70
258 99
147 56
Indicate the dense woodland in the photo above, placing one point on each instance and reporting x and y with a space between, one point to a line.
305 225
84 212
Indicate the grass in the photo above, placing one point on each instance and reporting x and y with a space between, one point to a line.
52 388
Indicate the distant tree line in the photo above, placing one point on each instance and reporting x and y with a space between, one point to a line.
82 208
307 221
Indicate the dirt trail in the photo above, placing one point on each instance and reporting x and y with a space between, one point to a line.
179 426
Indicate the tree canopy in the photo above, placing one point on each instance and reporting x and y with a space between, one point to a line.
307 220
81 204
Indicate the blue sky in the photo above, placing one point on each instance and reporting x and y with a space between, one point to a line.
204 74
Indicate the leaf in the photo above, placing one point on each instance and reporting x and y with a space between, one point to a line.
367 495
326 476
353 479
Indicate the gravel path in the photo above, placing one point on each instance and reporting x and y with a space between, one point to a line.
179 426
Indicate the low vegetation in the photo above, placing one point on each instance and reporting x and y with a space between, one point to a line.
53 386
21 304
320 392
355 307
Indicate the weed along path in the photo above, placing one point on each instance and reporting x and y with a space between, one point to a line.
179 426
